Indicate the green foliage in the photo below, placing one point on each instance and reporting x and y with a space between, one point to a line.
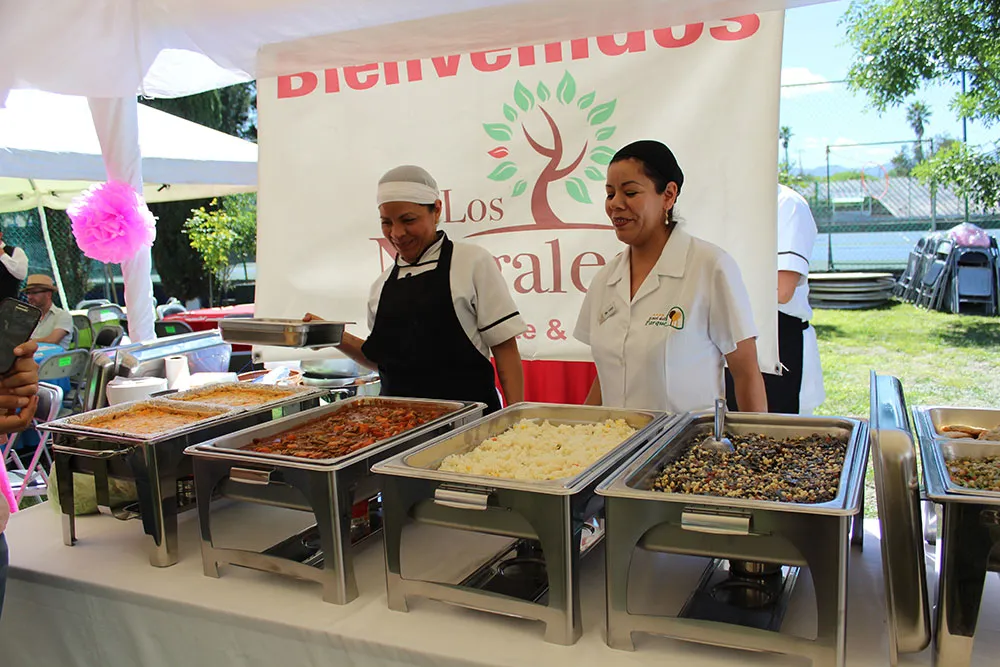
230 110
971 172
74 266
787 177
902 163
222 235
902 45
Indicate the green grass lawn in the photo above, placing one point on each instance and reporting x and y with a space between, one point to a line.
941 359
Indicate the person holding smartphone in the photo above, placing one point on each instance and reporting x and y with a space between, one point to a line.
18 401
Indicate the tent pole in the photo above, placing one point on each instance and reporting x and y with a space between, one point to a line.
48 245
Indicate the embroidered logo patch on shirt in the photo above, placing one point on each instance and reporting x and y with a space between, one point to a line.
673 319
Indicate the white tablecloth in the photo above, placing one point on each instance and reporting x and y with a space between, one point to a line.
100 603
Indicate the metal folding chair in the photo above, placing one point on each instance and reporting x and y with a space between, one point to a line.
109 336
33 480
165 328
84 333
70 366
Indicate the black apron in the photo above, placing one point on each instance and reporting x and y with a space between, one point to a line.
782 390
420 347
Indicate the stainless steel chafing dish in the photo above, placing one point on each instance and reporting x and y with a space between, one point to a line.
968 543
763 532
281 332
329 488
551 514
157 465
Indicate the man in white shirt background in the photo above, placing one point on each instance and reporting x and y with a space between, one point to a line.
56 325
13 268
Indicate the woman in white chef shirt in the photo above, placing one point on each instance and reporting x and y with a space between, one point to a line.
441 310
664 317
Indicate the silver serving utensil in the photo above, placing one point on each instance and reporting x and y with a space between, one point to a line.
718 442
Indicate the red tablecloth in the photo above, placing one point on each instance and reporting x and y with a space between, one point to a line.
544 381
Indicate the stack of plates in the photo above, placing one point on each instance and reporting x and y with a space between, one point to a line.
853 291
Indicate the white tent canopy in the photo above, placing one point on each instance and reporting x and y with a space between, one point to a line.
49 152
108 50
169 48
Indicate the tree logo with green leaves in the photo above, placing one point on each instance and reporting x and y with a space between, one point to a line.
563 160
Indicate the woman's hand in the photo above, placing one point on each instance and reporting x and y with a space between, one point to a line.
309 317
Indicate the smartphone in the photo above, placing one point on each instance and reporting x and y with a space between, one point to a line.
17 322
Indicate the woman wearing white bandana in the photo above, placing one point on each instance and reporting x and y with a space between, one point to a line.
439 313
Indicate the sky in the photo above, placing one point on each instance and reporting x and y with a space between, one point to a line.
828 114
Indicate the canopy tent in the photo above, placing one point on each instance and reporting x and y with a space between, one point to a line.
49 152
110 49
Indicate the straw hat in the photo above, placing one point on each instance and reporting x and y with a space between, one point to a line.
39 281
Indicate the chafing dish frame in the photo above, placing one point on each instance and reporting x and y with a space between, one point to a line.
968 545
552 512
328 488
812 535
154 464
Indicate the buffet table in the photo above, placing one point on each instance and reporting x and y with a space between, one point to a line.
100 603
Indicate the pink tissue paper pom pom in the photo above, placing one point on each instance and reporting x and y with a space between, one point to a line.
111 222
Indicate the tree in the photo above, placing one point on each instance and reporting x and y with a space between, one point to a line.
785 135
917 115
902 45
564 103
222 236
902 163
228 110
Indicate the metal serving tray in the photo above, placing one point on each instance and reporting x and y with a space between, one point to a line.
281 332
634 479
231 447
76 425
937 481
930 420
278 395
970 449
422 462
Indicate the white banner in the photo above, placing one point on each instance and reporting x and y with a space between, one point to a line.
519 140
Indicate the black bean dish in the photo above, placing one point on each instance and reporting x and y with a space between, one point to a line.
794 470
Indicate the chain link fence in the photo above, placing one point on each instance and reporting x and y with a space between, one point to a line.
869 208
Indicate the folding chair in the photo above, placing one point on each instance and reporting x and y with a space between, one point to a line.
70 370
905 287
973 281
935 277
84 333
32 480
171 328
108 315
110 335
90 303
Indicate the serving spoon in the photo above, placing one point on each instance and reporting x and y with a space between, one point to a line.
719 443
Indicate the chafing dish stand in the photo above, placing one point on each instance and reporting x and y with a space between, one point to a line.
155 465
551 514
811 535
968 544
329 489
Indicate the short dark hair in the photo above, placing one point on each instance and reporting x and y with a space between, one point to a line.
658 164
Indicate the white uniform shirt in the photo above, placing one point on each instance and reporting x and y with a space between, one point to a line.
482 299
16 263
796 237
665 349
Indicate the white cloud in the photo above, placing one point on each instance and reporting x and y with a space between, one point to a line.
801 81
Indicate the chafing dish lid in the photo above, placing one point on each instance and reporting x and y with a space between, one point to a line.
898 495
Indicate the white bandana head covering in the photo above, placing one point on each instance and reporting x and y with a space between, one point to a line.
407 183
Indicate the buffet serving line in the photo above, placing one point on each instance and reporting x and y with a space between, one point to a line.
321 516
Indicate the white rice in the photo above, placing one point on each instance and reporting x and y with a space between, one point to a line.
540 451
